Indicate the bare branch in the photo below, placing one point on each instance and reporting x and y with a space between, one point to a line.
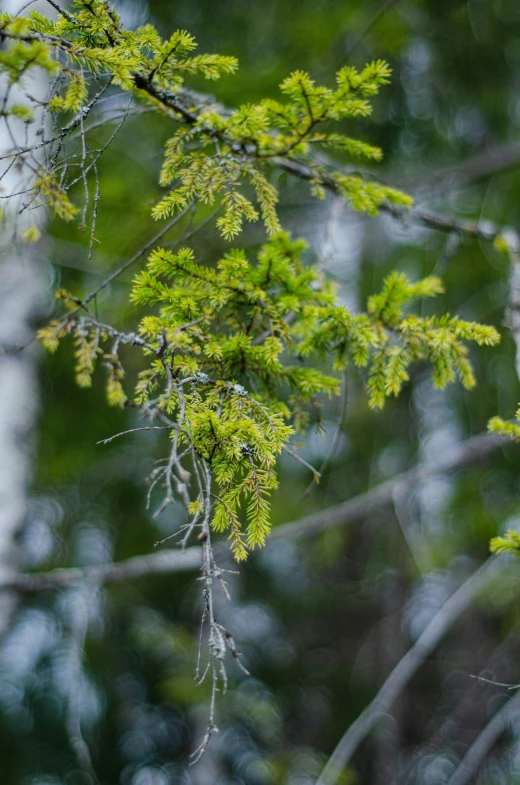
406 668
133 430
173 560
303 462
77 637
470 451
495 683
484 742
63 132
158 563
495 159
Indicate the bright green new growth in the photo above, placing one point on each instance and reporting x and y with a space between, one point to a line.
388 340
506 428
230 351
509 543
226 348
238 147
233 359
215 153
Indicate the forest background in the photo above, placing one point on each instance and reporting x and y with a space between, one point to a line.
325 613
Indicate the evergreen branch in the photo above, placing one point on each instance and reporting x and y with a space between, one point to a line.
482 230
188 106
469 452
167 98
216 328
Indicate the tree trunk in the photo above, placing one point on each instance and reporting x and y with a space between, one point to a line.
22 294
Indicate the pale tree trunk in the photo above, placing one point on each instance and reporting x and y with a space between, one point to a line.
22 294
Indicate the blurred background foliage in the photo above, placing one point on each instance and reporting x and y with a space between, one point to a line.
321 621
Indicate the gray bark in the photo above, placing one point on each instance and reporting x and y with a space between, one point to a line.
22 294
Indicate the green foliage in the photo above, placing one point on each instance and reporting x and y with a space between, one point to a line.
215 153
510 430
32 234
231 351
227 348
420 141
387 340
25 51
240 145
509 543
74 96
504 427
47 184
234 320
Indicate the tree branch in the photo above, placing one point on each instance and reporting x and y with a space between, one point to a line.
186 104
467 452
482 230
494 160
484 742
406 668
167 561
175 560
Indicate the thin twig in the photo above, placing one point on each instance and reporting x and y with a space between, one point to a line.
334 443
484 742
406 668
172 560
158 563
77 638
146 247
301 460
495 683
133 430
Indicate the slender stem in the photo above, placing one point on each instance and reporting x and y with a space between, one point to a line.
146 247
406 668
484 742
173 560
